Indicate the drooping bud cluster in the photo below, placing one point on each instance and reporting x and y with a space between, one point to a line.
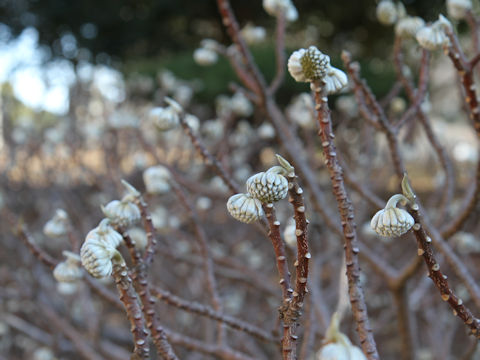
206 54
409 26
308 65
57 226
264 187
245 208
253 34
122 213
458 9
337 346
388 12
99 248
68 270
392 221
281 7
433 37
156 179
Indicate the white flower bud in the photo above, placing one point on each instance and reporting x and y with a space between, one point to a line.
337 345
433 37
67 288
340 351
205 57
244 208
156 179
457 9
269 186
164 118
335 80
306 65
122 213
139 237
386 12
96 256
58 225
68 270
392 221
409 26
240 105
289 234
278 7
210 44
266 131
253 34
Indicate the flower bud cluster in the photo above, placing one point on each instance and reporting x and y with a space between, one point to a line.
99 248
57 226
309 65
157 179
206 54
433 37
264 187
392 221
281 8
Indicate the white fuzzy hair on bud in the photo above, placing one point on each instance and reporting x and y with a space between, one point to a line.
245 208
281 8
123 212
409 26
433 37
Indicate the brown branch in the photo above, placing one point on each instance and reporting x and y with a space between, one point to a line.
345 208
140 282
204 310
63 327
416 97
294 307
208 158
37 251
360 86
215 350
233 29
128 296
439 279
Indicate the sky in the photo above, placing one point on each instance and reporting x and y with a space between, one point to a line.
44 85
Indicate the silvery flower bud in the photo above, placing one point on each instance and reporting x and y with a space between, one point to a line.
157 179
457 9
278 7
340 351
386 12
306 65
392 221
269 186
335 80
58 225
122 213
105 233
67 288
289 234
337 346
244 208
253 34
97 257
409 26
68 270
433 37
205 57
240 105
164 118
